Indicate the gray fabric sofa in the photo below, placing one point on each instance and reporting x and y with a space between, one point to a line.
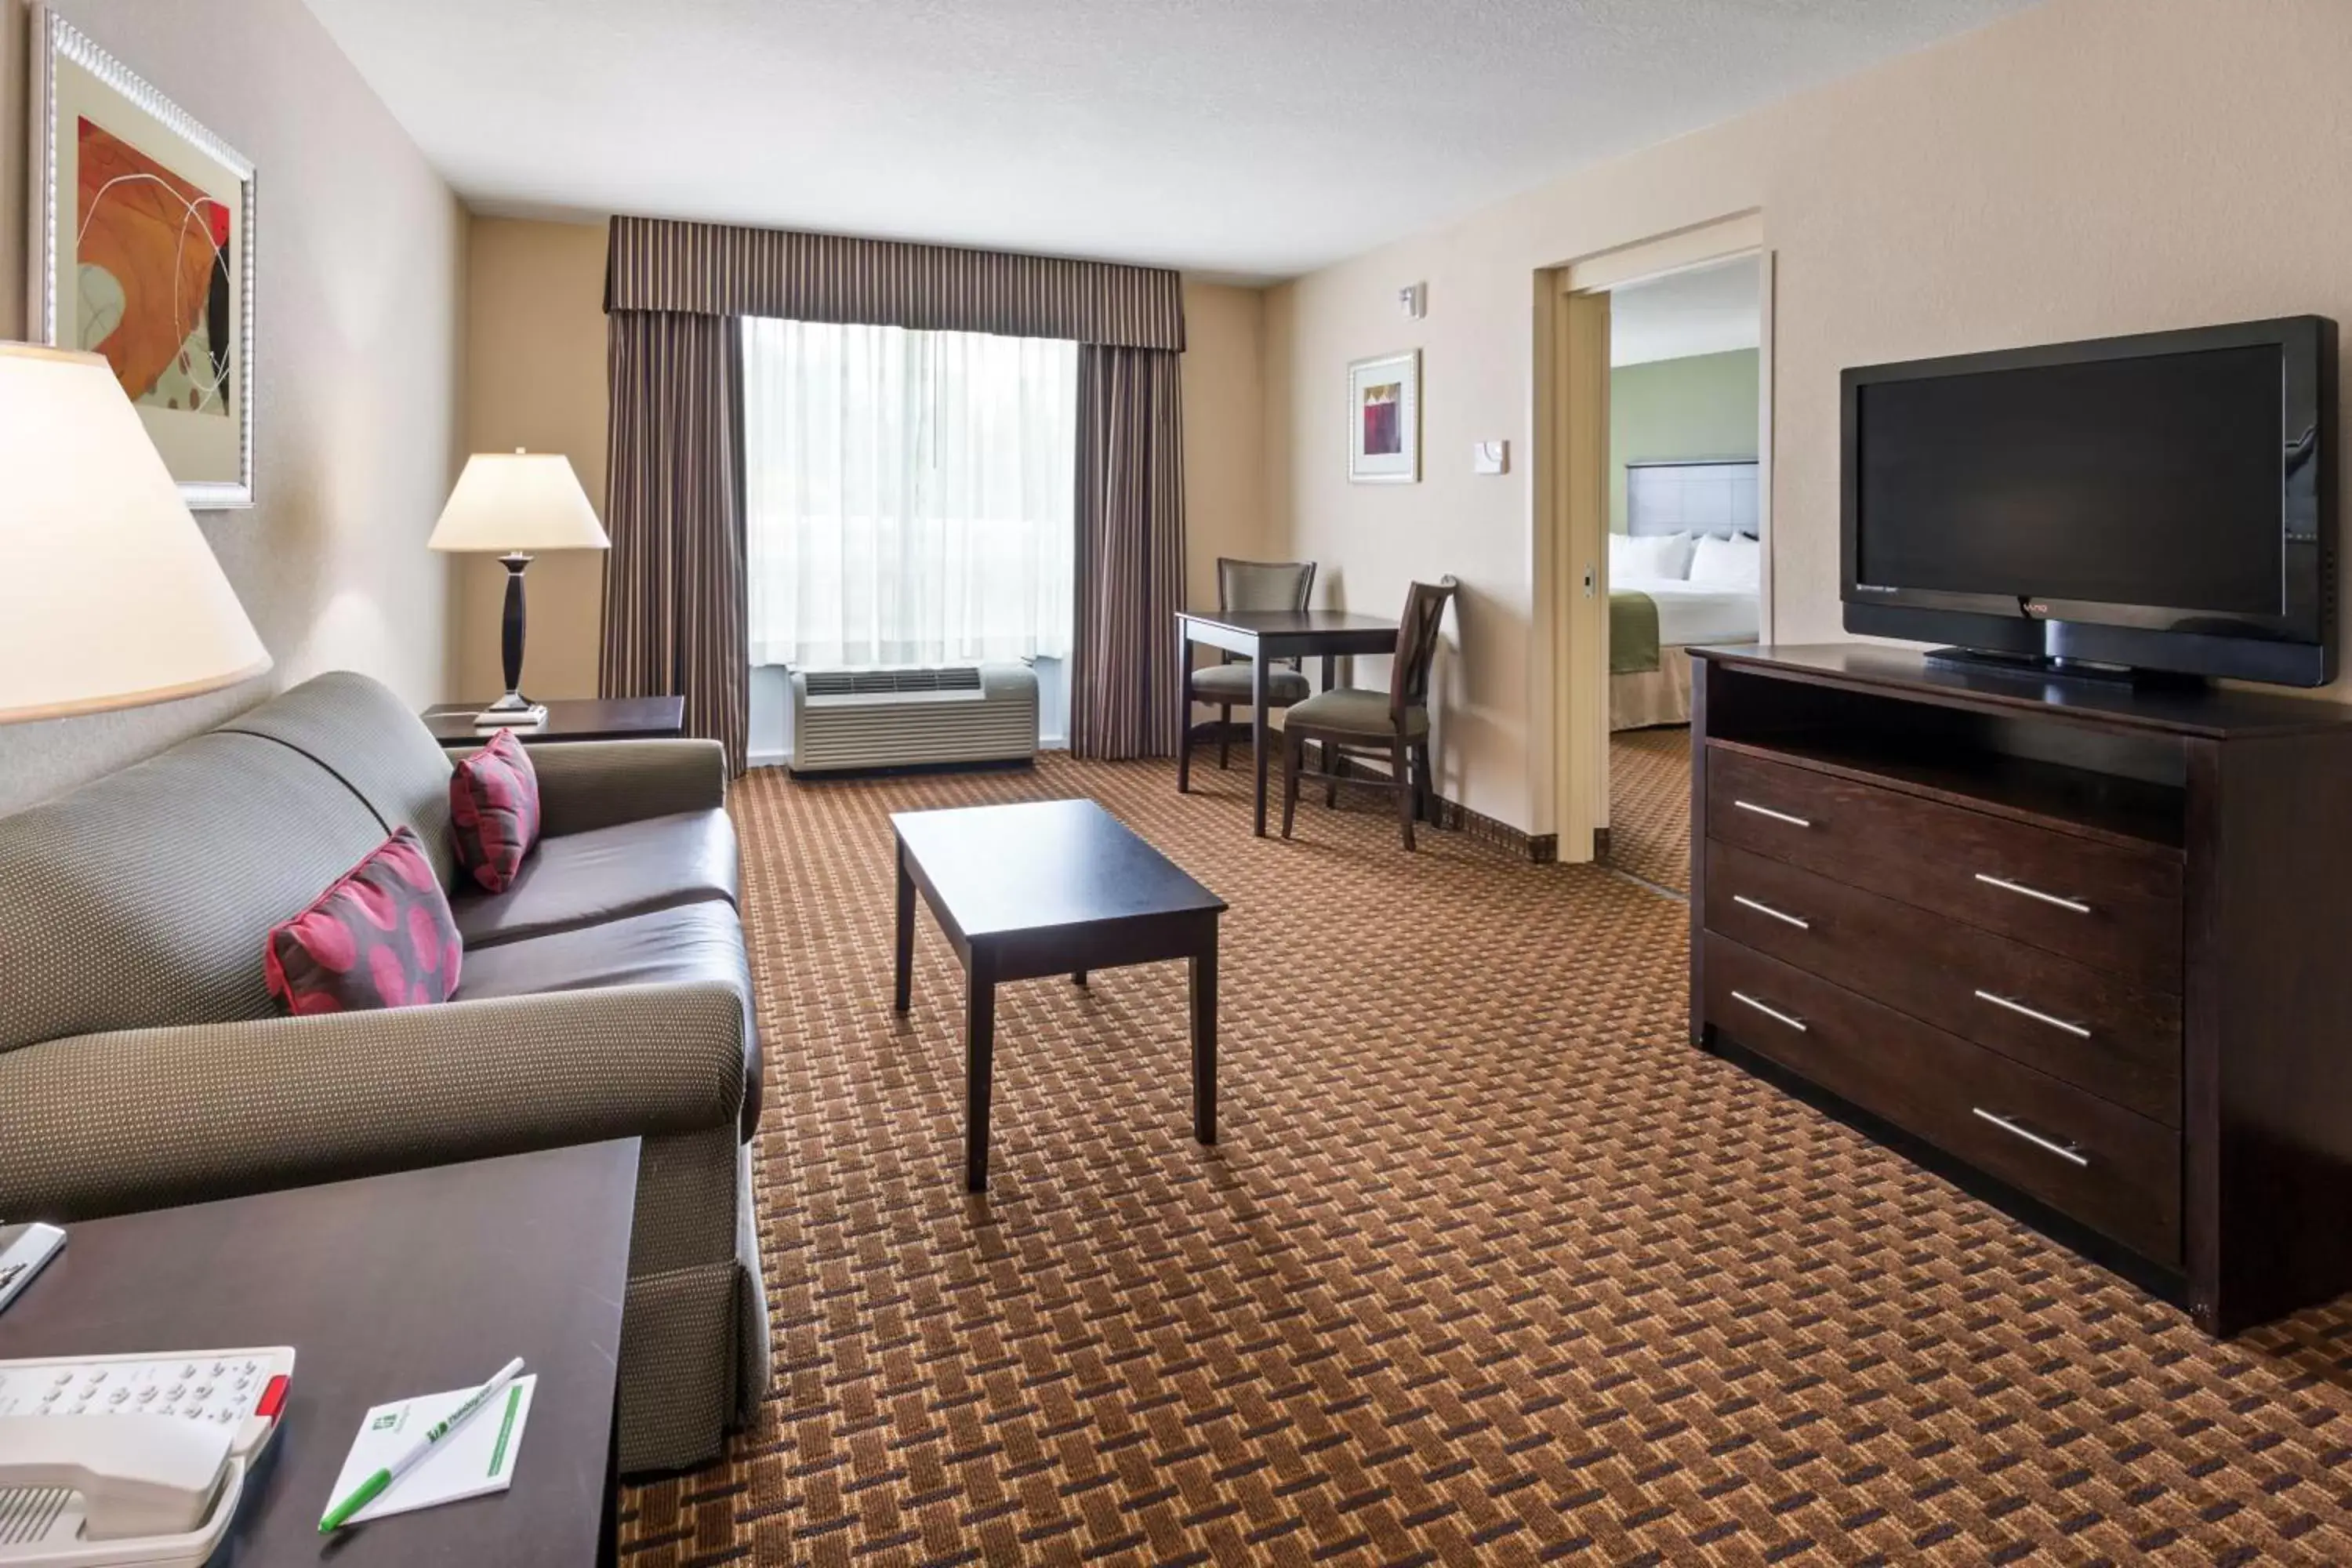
606 995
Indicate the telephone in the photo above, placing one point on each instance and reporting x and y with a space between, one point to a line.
132 1461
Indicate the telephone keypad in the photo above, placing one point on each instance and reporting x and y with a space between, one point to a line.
222 1387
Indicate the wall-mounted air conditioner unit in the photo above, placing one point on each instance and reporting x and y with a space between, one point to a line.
897 718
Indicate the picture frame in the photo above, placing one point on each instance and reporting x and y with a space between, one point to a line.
139 247
1384 419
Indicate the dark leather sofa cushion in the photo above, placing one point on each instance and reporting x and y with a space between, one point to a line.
692 942
605 874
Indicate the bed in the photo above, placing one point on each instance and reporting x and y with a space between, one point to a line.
1683 573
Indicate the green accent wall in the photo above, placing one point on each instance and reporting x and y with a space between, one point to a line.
1704 406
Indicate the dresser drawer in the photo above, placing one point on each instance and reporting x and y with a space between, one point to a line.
2114 1171
2082 1024
2114 908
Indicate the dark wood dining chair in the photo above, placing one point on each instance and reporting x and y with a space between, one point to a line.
1393 724
1246 585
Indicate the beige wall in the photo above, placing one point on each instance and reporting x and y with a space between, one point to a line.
1994 189
534 378
1225 434
1701 406
357 317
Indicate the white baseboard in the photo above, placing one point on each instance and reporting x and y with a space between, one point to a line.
784 759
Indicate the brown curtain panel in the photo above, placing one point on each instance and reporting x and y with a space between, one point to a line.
674 583
720 269
1125 690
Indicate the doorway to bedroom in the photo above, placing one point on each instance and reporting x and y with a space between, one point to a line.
1685 513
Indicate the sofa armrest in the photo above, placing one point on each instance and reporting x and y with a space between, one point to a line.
587 784
138 1118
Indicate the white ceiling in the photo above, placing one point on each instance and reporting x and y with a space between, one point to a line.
1702 310
1248 138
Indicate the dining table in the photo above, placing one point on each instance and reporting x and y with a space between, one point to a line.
1261 635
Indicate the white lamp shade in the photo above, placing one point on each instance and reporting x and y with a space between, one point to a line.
110 597
517 503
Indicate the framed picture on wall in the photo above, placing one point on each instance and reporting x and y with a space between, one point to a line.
141 249
1384 419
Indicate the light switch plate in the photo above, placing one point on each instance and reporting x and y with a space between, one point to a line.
1490 456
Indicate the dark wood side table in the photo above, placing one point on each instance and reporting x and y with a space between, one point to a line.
1056 887
1261 635
397 1285
569 719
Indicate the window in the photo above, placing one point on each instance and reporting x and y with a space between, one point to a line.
910 495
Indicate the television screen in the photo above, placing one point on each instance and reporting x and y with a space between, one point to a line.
2151 482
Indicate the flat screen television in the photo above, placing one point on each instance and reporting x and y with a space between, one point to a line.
2159 502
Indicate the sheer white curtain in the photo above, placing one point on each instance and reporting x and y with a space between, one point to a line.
910 495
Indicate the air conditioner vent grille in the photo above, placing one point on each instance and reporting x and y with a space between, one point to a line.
881 682
916 715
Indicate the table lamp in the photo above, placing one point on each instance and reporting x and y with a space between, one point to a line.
509 504
110 597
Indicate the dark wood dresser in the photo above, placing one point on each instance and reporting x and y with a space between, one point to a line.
2087 949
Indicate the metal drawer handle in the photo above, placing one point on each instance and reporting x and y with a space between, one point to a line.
1745 901
2006 886
2021 1010
1774 1012
1775 815
2064 1151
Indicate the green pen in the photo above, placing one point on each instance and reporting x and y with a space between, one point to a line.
368 1491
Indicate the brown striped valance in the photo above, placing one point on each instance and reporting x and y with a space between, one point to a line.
718 269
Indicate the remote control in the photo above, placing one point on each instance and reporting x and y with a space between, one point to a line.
23 1249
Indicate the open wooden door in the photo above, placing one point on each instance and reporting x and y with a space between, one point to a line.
1572 496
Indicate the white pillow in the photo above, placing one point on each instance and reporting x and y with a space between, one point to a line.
1734 562
1653 556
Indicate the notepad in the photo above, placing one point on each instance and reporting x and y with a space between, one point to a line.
475 1461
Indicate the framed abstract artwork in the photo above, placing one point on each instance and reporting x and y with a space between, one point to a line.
1384 419
141 249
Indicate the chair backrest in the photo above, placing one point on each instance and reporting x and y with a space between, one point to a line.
1263 585
1424 609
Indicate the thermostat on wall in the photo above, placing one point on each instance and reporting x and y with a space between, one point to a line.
1490 456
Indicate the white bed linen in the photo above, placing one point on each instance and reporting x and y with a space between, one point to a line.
1696 612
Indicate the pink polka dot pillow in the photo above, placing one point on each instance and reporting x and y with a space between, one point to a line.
494 807
381 937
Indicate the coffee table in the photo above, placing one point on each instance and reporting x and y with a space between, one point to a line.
386 1287
1056 887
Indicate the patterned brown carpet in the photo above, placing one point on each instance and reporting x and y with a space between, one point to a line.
1649 806
1492 1266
